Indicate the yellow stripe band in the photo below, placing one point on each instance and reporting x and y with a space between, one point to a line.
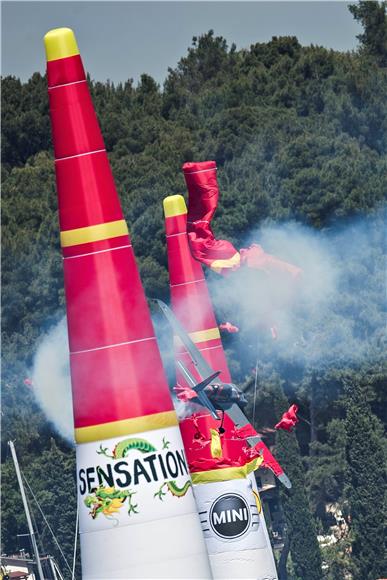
258 501
174 205
126 427
227 473
199 336
60 43
203 335
218 265
95 233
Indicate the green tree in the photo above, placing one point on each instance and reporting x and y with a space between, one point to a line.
366 488
301 531
372 15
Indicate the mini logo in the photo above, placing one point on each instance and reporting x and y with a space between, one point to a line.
230 516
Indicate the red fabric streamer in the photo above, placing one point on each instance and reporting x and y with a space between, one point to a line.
288 419
28 382
228 327
220 255
203 192
245 432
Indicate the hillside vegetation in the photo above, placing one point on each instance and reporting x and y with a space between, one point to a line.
298 133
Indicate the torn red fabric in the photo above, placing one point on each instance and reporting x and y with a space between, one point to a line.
285 424
288 419
255 257
203 194
28 382
220 255
236 452
291 413
268 460
245 431
198 438
228 327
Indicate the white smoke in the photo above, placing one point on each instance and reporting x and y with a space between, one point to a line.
51 380
184 410
333 316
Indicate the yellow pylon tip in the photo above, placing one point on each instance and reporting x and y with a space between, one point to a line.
60 43
174 205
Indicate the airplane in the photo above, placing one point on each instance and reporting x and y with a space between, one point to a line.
216 395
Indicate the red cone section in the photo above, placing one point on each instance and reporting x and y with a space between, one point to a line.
112 343
191 304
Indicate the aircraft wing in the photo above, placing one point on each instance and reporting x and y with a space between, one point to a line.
202 366
234 412
199 388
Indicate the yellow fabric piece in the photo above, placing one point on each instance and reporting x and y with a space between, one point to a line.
216 444
174 205
226 473
60 43
126 427
95 233
218 265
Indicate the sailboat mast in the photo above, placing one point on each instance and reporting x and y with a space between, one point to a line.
27 511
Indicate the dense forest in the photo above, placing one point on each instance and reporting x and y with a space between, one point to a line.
299 134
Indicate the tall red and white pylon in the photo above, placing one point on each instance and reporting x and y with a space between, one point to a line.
136 508
221 464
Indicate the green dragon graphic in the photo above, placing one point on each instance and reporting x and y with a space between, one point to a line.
173 488
108 501
123 447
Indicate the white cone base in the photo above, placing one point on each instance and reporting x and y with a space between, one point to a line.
158 549
249 564
154 530
235 530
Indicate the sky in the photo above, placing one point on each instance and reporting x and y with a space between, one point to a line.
122 40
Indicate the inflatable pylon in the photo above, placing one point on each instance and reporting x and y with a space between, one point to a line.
221 468
137 513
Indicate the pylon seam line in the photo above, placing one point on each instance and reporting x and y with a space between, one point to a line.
186 283
172 235
80 155
66 84
209 347
200 171
96 252
201 349
112 345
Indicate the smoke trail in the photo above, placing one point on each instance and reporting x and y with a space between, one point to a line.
51 379
184 410
52 384
334 316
